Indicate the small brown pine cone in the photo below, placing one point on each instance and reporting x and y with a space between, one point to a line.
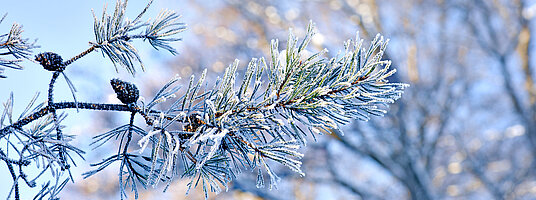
126 92
50 61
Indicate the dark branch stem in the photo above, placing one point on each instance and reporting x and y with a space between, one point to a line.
91 49
139 36
55 76
96 46
66 105
129 134
59 133
59 137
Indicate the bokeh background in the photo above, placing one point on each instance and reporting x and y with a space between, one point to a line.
465 129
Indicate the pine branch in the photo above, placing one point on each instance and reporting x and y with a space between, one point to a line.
258 122
13 45
113 35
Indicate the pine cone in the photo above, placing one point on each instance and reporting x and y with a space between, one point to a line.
50 61
126 92
194 122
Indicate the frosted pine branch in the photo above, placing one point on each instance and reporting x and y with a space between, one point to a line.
274 109
14 48
115 32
